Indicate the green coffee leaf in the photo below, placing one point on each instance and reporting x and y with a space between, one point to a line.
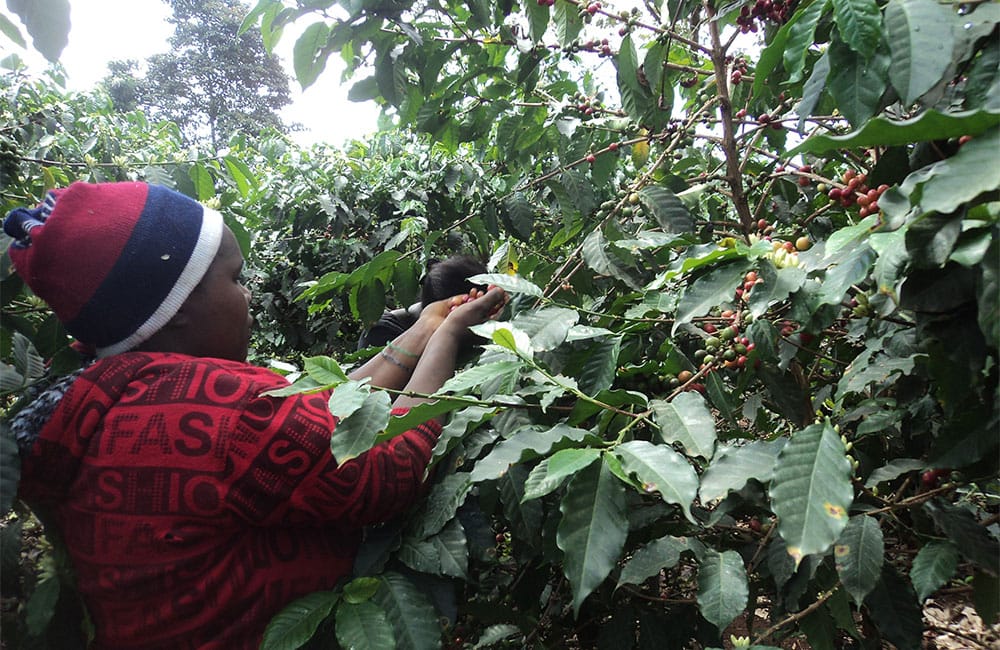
356 434
509 283
592 530
709 290
859 23
933 567
894 609
310 53
859 554
297 622
410 613
649 559
919 33
660 469
363 626
857 83
325 371
722 587
811 490
733 466
687 420
347 398
549 474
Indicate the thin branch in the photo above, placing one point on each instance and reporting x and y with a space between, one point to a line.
795 617
734 176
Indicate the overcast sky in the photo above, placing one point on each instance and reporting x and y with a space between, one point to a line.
105 30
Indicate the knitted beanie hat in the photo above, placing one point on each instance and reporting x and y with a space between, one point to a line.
114 261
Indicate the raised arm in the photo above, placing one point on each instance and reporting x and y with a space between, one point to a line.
399 363
437 364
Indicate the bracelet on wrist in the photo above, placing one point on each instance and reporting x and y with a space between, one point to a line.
395 348
396 362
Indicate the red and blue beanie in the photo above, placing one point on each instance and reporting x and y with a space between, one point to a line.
114 261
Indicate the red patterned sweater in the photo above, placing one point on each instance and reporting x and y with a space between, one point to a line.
194 509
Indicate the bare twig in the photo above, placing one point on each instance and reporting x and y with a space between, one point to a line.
795 617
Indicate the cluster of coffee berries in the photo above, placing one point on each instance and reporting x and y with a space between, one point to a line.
787 328
646 380
602 47
587 105
857 192
804 180
776 11
725 347
739 70
589 9
631 19
783 253
766 119
629 203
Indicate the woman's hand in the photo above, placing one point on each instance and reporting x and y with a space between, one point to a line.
463 310
437 364
475 307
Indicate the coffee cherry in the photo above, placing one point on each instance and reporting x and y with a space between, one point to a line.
684 376
802 243
591 158
930 478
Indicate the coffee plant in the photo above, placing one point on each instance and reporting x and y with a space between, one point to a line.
746 390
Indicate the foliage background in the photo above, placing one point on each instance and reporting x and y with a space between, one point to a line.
727 382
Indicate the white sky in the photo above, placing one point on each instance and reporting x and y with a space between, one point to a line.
106 30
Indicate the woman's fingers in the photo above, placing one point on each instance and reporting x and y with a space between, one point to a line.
478 306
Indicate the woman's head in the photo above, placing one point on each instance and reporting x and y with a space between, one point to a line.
114 261
447 278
